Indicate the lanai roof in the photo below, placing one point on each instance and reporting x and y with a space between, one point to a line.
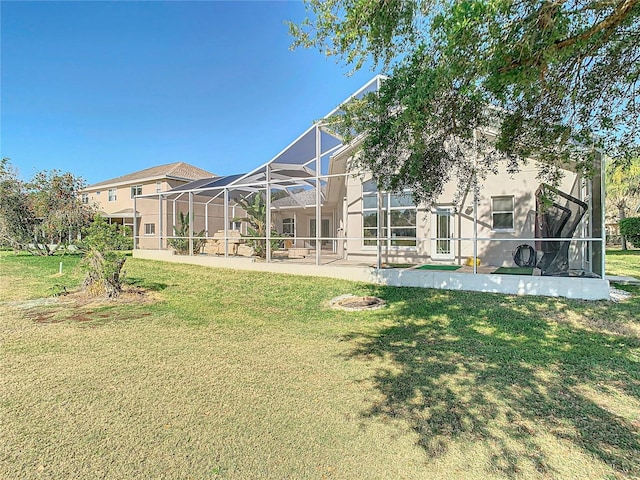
295 166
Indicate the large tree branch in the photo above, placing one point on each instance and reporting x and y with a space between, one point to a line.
619 14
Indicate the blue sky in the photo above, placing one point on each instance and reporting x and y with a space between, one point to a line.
102 89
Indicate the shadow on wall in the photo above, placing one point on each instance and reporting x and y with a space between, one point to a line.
501 374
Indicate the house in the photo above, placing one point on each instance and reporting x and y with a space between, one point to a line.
329 214
113 197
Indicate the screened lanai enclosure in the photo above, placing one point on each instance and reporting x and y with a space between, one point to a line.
305 206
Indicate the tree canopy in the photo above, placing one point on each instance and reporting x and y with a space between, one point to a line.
475 80
42 214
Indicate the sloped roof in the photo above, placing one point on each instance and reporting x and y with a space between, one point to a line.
180 170
306 198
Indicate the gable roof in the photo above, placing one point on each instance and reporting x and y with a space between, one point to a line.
176 170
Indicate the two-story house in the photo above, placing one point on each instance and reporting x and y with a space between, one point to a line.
114 197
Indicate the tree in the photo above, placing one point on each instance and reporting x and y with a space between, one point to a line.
548 80
623 191
104 246
43 214
255 207
630 229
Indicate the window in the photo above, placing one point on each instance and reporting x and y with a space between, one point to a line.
84 198
149 228
158 187
288 226
502 212
112 195
398 217
136 190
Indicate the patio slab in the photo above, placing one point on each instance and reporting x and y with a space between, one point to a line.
570 287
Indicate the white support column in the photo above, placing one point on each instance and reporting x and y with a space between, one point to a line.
379 230
160 222
135 225
475 202
190 223
225 192
267 194
206 219
295 229
174 213
318 193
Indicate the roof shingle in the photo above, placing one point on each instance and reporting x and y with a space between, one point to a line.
180 170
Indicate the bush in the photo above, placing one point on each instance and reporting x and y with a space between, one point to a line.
630 229
104 245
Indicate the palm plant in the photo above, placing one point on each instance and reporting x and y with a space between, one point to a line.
181 243
255 208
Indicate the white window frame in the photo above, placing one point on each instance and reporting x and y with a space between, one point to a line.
113 194
149 229
511 211
84 198
386 212
158 187
289 226
135 189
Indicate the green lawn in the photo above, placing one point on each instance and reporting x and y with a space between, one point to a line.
625 263
242 375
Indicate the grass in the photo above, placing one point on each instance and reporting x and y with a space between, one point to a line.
245 375
623 262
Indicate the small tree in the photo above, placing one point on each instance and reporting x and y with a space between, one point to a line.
623 190
630 229
181 244
104 259
41 215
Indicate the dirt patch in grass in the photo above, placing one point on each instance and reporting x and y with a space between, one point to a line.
79 307
356 303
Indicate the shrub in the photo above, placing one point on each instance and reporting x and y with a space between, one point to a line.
630 229
104 246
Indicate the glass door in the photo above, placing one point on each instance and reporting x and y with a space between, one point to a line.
442 229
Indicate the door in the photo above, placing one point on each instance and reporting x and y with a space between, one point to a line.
324 231
442 229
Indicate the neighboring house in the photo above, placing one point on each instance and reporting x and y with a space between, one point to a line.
114 197
347 218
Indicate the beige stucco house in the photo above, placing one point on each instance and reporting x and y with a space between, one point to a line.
114 198
324 214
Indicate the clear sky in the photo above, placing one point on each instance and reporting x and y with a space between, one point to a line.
102 89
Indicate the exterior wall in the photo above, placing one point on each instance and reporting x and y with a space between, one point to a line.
521 186
100 196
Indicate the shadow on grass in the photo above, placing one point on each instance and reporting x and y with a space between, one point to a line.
146 284
473 367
